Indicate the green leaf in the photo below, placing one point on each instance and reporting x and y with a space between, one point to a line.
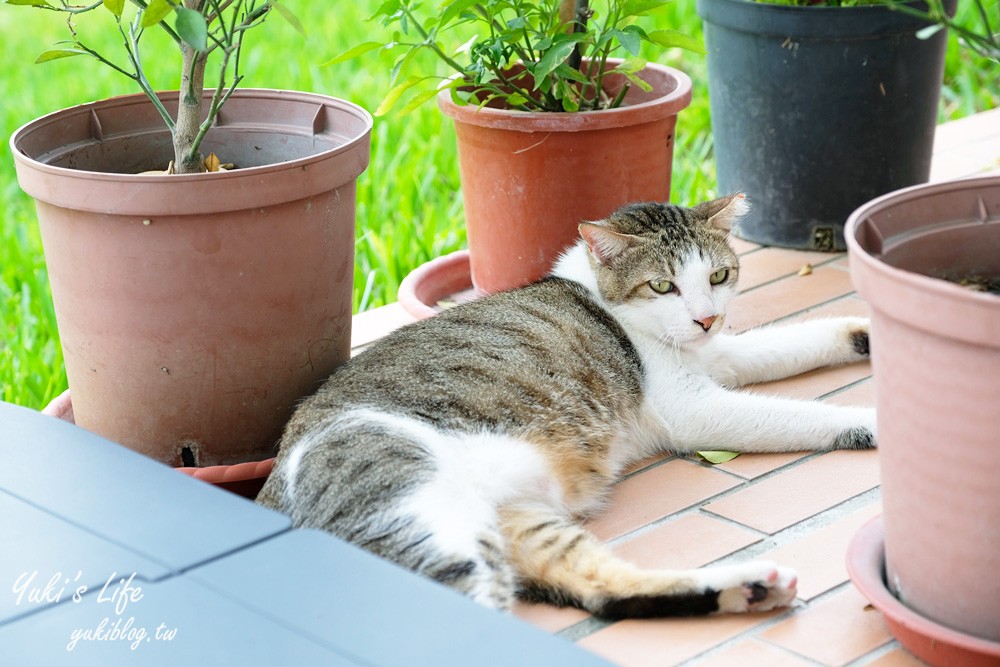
387 8
27 3
639 7
717 457
55 54
630 66
516 99
417 100
353 52
460 97
155 11
675 38
191 27
290 17
517 23
566 72
561 48
451 10
390 99
116 7
628 39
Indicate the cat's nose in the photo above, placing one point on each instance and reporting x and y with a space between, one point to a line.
706 323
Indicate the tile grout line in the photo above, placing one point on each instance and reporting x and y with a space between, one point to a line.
877 653
807 309
833 258
755 632
808 526
745 483
841 390
800 529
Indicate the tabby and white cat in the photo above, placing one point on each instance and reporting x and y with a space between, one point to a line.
466 447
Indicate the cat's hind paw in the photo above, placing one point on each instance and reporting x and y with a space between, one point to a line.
755 586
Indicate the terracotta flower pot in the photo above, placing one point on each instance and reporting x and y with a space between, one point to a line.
528 179
195 310
936 362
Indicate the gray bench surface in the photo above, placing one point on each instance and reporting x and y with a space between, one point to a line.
108 557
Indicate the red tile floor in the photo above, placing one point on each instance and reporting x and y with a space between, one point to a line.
800 509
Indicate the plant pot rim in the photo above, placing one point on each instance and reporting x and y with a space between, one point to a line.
663 106
327 132
964 305
169 97
444 276
930 641
808 21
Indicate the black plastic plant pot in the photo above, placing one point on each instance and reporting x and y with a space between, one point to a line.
816 110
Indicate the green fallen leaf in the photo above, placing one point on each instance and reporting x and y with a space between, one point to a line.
717 457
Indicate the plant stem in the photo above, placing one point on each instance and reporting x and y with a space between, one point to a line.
132 48
190 103
581 14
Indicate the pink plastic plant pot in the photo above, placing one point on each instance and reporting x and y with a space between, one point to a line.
243 479
936 362
930 641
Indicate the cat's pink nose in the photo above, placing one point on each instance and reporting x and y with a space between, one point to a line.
706 323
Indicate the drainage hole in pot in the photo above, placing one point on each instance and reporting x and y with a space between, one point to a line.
823 239
189 457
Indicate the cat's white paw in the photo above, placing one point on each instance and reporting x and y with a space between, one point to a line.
856 331
753 586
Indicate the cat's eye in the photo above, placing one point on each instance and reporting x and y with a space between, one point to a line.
661 286
719 277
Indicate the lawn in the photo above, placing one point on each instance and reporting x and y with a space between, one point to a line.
409 204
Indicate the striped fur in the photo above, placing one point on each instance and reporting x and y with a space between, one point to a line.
467 447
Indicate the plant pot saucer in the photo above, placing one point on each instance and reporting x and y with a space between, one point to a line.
936 644
442 282
243 479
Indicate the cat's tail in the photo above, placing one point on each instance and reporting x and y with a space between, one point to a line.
559 562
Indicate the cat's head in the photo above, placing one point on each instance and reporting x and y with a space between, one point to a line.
665 270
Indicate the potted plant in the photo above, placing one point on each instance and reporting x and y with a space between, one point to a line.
194 309
927 260
818 107
551 129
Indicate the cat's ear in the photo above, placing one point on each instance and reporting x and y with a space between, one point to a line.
604 243
724 212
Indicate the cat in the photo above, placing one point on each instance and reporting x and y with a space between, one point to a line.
466 447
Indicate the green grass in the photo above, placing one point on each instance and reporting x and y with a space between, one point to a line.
409 203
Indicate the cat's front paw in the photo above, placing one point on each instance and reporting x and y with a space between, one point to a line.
857 329
753 586
858 437
857 431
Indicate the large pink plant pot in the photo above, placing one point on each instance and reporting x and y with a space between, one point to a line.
936 361
196 310
933 643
